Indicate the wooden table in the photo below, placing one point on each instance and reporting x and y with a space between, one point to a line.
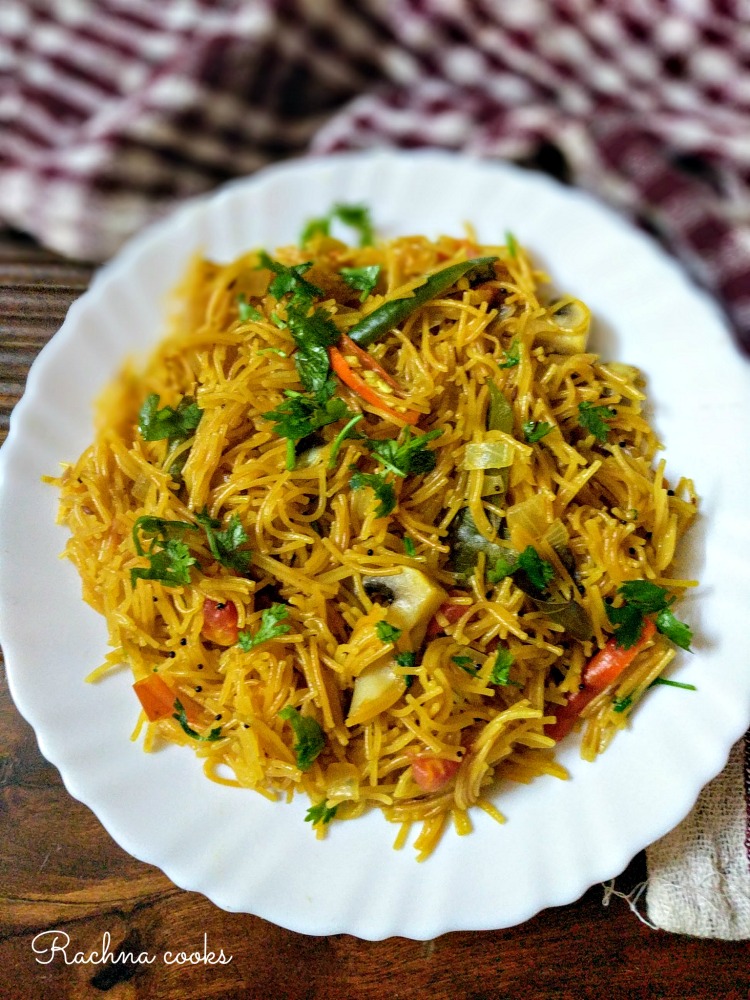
60 870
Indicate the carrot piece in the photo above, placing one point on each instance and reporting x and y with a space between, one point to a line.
351 377
158 699
606 666
602 670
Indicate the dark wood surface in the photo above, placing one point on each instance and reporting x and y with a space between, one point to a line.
60 870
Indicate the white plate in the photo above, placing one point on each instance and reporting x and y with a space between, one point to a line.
247 854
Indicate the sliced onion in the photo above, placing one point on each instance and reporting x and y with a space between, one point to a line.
527 519
487 455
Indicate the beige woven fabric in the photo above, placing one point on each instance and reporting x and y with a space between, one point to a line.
699 874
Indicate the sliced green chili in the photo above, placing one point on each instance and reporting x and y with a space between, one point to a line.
390 314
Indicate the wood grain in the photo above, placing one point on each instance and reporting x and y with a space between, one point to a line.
60 870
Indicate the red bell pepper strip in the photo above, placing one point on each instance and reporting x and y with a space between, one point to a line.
351 377
603 669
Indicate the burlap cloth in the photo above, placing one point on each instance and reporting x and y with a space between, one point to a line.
113 110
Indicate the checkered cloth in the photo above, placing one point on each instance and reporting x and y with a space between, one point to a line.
113 110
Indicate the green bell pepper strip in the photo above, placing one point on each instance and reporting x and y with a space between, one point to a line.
390 314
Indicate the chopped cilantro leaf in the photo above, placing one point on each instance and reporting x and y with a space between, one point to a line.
168 423
380 486
594 419
647 596
168 556
181 717
170 564
512 356
301 414
640 598
320 814
622 704
410 457
629 619
225 544
308 734
409 548
535 572
503 567
245 311
501 667
313 334
406 659
678 632
272 626
538 570
315 227
357 217
466 663
387 633
289 280
363 279
534 430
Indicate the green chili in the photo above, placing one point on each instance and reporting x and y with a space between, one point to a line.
390 314
500 412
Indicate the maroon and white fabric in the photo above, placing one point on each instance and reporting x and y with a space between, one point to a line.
113 110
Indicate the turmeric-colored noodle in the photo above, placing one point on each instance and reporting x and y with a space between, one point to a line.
424 718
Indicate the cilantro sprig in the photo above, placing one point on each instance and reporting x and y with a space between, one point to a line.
225 543
320 814
381 487
408 456
169 557
168 423
357 217
534 572
406 659
504 660
362 279
308 734
181 717
639 599
273 624
303 413
313 334
386 632
595 419
535 430
500 672
162 542
289 280
466 663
